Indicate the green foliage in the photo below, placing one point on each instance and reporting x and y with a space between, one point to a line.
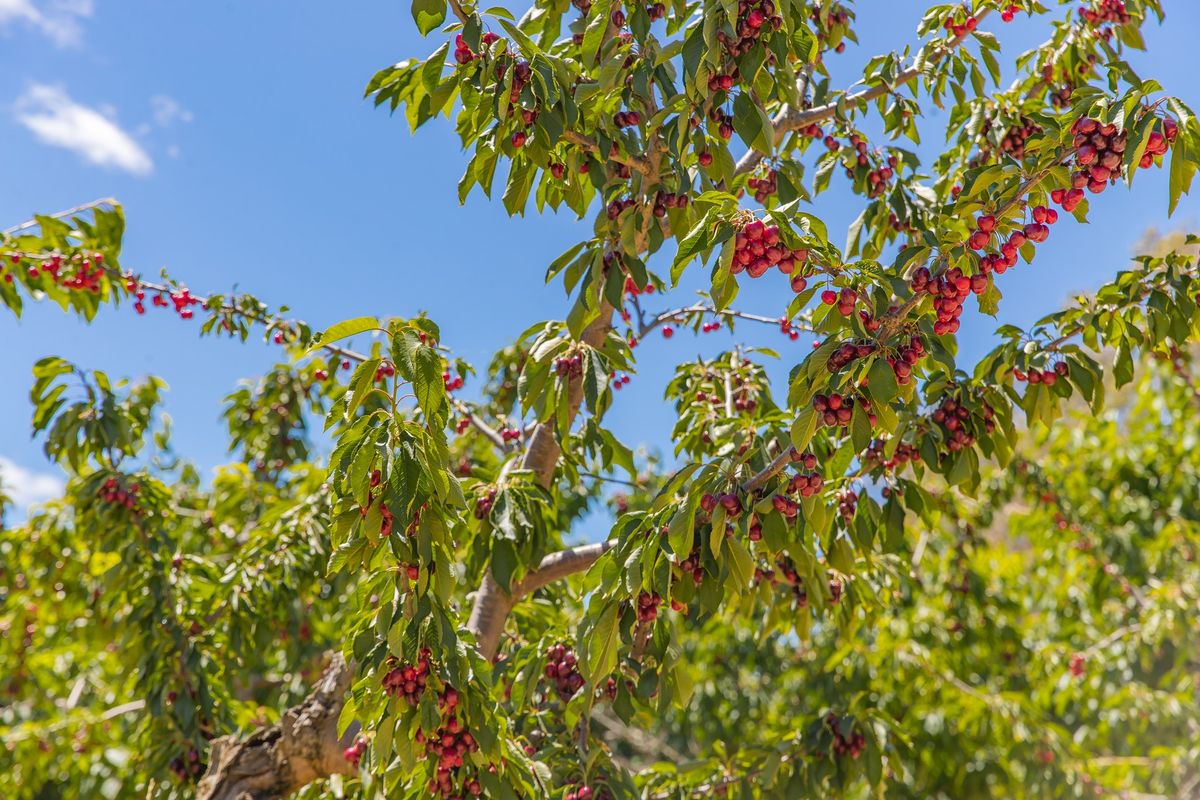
890 577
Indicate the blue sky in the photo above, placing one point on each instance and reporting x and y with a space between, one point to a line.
236 135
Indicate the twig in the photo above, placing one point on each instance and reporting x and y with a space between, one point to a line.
677 314
488 431
33 223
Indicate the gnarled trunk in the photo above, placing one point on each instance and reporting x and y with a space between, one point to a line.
274 762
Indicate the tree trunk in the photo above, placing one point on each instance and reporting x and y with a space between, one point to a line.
274 762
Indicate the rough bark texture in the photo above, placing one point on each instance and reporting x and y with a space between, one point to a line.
274 762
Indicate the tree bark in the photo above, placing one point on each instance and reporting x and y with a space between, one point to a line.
276 761
492 603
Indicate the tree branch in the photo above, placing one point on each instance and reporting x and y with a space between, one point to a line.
70 212
274 762
492 602
788 120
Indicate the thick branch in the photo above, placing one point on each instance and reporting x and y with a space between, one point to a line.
274 762
492 602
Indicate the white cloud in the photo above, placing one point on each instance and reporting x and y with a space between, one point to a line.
167 110
25 486
57 19
57 120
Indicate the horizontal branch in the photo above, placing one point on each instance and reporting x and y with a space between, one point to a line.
70 212
677 314
638 165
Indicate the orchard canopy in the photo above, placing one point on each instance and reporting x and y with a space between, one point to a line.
896 575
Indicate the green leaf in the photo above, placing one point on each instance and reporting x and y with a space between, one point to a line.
602 641
428 14
697 240
882 381
593 36
681 530
741 565
752 124
1183 169
344 330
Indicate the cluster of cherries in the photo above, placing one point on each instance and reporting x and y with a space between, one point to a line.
407 680
757 247
569 366
692 566
190 768
790 577
960 29
1009 13
878 178
848 504
807 484
763 187
954 418
724 123
1013 142
619 381
731 502
627 119
787 329
843 745
616 206
462 51
905 452
385 370
563 668
631 288
114 493
452 383
755 19
665 200
844 300
354 752
1046 376
85 277
647 606
448 745
949 290
905 358
586 792
720 82
836 15
483 505
836 410
521 74
1108 12
1077 664
848 353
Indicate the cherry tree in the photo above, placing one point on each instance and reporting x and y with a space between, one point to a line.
894 575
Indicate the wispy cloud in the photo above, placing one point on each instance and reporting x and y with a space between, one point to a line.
57 19
57 120
25 487
167 110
